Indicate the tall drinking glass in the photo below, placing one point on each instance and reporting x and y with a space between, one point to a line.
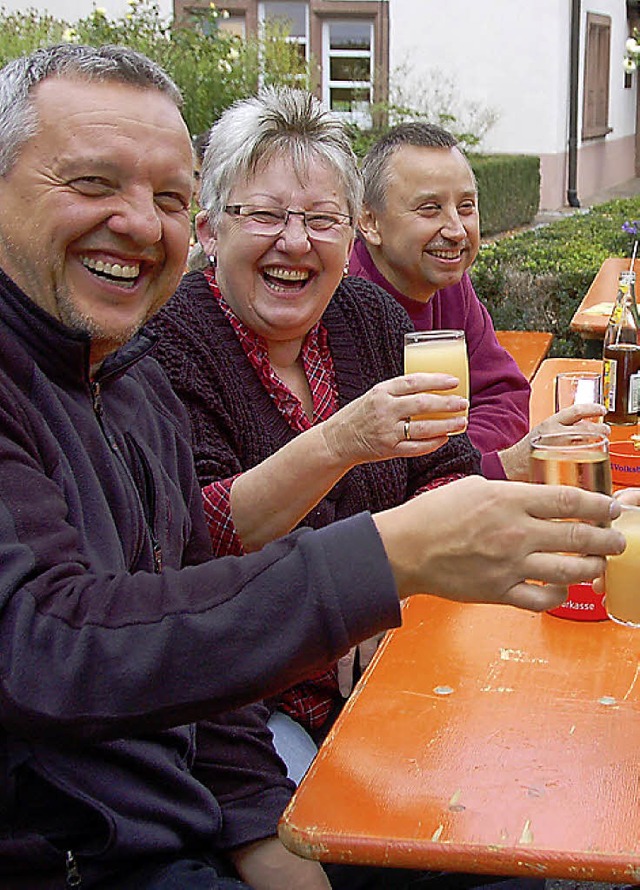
443 352
578 388
571 458
622 575
582 460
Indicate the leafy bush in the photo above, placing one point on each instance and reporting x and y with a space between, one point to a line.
508 190
536 280
211 67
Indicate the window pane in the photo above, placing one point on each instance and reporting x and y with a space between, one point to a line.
301 49
235 24
350 35
344 68
345 99
595 117
294 14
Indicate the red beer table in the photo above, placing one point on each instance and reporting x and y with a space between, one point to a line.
484 739
591 317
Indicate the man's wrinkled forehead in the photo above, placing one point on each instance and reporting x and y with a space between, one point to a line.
109 105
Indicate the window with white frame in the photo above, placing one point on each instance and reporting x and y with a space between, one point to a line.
347 67
341 41
293 16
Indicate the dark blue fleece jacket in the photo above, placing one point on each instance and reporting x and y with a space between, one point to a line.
121 642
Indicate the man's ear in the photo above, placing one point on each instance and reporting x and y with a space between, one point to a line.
368 226
206 234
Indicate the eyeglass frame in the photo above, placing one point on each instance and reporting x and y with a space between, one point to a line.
345 219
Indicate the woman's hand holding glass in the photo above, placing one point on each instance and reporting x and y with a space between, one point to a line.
377 425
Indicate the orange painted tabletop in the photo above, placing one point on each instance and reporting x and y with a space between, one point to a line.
528 348
591 317
484 739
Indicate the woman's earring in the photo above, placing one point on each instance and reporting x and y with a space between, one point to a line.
345 271
212 260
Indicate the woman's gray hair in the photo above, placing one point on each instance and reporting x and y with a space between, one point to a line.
18 118
279 122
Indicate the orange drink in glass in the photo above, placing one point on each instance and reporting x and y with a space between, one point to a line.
439 352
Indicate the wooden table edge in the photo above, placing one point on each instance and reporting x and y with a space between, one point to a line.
502 860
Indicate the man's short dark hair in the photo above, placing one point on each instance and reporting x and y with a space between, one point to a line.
376 162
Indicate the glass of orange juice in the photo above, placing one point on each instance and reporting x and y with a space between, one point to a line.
439 352
622 575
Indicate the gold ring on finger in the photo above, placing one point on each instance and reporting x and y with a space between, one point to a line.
406 430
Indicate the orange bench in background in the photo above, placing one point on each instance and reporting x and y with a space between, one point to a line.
528 348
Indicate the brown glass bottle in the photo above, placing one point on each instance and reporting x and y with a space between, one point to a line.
621 356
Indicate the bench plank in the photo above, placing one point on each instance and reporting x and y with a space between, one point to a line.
527 348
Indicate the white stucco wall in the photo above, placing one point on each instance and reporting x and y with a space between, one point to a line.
513 57
502 54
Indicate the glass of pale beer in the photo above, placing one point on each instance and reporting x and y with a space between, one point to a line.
572 458
580 459
439 352
622 575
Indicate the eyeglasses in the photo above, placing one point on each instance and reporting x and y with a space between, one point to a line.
272 221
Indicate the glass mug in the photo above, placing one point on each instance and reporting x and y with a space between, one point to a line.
439 352
622 575
571 458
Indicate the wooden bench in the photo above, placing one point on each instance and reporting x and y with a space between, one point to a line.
527 348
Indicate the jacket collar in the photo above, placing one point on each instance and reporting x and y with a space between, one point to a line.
61 353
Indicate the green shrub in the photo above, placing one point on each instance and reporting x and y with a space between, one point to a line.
508 190
536 280
211 67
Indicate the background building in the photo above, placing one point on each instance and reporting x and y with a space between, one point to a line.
549 74
542 78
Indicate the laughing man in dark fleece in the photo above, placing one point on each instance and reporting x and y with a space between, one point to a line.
122 642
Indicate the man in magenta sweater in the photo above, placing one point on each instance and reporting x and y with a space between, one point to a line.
418 235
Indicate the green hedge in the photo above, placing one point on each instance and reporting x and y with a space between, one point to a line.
535 280
508 190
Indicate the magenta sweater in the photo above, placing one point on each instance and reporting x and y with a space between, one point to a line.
499 414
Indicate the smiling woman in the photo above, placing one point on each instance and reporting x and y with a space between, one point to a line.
291 373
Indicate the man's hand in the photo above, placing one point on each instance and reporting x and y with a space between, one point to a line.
515 459
626 496
268 865
480 541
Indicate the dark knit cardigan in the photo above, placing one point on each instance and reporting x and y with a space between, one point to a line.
235 422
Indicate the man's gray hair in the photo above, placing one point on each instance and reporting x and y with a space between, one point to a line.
279 122
18 118
375 166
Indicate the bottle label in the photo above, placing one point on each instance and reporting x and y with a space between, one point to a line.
616 314
633 406
609 374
